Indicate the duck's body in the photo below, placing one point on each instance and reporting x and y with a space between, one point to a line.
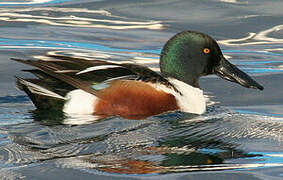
78 86
127 97
131 99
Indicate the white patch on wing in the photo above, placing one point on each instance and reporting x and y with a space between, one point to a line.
99 67
191 99
79 102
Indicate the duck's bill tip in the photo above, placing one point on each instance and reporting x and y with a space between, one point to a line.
257 86
230 72
260 87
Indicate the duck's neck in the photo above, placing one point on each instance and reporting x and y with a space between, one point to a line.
189 99
173 71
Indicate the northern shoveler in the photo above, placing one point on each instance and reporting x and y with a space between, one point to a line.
80 86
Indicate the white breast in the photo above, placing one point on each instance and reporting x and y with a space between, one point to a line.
190 100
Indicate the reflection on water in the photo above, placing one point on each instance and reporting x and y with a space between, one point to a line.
173 142
74 17
263 37
234 1
31 2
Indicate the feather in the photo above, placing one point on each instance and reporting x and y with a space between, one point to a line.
99 67
37 89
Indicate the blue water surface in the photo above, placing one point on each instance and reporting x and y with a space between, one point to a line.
238 137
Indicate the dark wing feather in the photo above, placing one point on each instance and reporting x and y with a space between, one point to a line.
68 70
47 68
143 73
41 102
93 76
49 82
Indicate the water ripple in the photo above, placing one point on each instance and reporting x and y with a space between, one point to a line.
260 38
74 17
31 2
173 142
234 1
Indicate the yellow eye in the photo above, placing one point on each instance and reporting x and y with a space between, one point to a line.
206 50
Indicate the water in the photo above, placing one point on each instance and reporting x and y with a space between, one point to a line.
240 136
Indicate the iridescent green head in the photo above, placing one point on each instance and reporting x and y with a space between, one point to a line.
189 55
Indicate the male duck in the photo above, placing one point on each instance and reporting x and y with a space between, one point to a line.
80 86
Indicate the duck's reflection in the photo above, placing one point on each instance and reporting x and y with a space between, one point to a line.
173 142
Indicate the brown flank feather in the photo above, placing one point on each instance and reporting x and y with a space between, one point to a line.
133 99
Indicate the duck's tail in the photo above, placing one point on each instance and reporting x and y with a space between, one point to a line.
42 98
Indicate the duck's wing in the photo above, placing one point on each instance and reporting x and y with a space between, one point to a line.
107 70
84 74
59 71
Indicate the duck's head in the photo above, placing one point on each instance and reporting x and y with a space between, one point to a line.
189 55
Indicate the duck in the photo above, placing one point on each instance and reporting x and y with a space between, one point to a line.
106 88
